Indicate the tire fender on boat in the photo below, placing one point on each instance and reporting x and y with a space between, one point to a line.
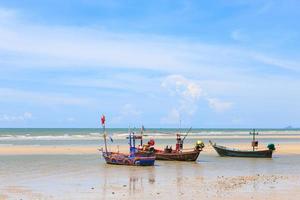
137 162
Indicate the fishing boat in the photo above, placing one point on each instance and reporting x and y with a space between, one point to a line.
177 154
134 157
254 153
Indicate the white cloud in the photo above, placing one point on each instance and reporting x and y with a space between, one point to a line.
116 81
127 112
266 7
92 47
239 36
8 94
74 46
70 119
280 63
179 85
173 117
186 92
13 118
27 45
218 105
7 15
27 115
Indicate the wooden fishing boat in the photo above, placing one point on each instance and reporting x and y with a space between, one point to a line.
117 158
180 154
225 151
134 157
177 154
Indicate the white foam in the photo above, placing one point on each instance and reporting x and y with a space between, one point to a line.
162 134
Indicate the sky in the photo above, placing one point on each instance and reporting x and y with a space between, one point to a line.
208 64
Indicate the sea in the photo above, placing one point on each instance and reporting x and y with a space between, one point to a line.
94 136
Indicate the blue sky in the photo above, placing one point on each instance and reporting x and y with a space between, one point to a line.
212 64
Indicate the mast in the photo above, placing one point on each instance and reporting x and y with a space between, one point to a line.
254 142
133 139
180 126
104 133
142 134
131 142
130 145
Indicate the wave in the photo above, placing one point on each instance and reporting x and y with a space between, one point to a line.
147 134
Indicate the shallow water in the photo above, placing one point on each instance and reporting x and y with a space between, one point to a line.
88 177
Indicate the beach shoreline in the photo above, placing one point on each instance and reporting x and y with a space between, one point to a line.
281 149
86 176
79 171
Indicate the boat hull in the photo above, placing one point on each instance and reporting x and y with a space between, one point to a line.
222 151
123 159
177 156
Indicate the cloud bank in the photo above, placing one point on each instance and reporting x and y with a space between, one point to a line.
187 93
15 118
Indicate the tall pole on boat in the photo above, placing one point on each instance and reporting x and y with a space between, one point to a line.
186 134
180 126
104 133
133 139
253 139
142 134
130 137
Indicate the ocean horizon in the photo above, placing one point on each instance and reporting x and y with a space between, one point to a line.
6 132
94 136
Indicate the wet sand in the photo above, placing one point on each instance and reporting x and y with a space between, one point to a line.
79 172
281 149
88 177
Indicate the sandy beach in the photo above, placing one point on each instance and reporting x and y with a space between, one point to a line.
79 172
281 149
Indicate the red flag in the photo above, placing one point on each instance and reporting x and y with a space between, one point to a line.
103 120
